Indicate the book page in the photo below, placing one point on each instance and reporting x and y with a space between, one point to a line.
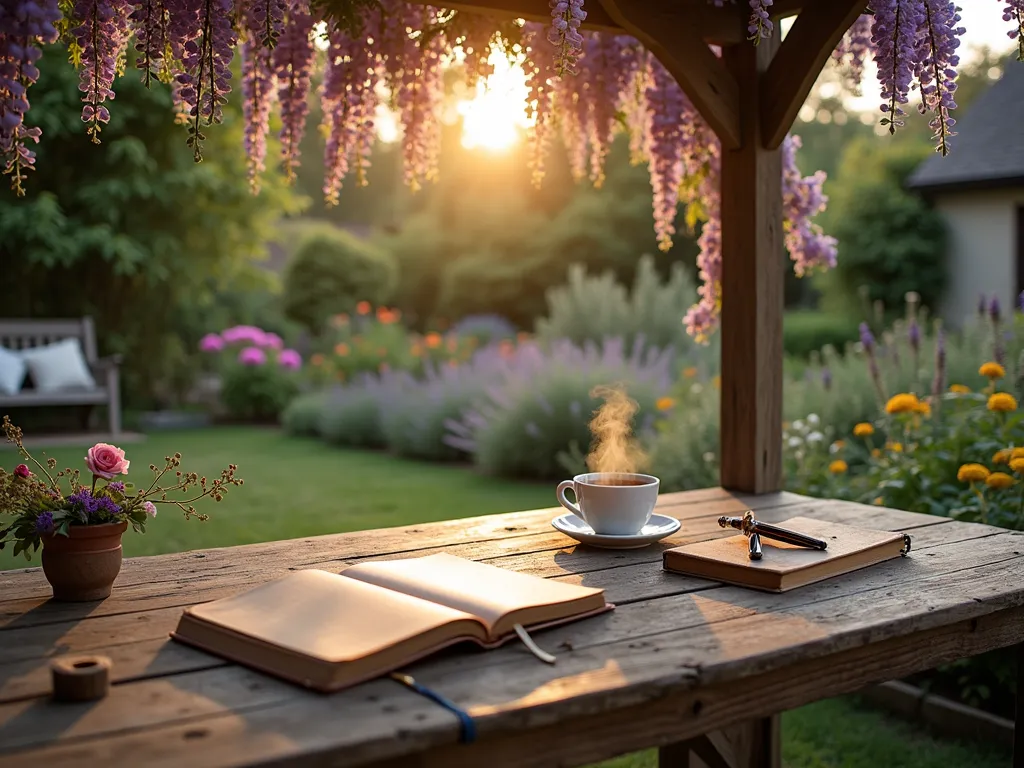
499 597
329 617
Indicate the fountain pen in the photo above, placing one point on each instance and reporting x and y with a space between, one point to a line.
750 527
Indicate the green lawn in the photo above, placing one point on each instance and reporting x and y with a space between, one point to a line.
296 487
299 487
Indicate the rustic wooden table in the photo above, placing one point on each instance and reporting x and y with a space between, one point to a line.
679 657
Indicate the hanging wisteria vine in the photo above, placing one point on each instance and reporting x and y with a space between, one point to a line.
394 54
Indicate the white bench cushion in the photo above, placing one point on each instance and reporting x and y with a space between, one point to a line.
58 366
12 371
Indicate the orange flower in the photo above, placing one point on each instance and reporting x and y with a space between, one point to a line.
664 403
522 337
317 360
416 350
363 307
387 316
689 373
433 340
341 350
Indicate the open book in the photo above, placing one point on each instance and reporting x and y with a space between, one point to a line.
328 631
786 566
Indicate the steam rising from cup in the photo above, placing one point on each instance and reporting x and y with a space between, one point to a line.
614 447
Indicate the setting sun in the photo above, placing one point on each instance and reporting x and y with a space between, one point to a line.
492 119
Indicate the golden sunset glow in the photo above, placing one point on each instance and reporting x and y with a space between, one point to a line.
493 118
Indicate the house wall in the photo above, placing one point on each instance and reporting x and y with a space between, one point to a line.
982 252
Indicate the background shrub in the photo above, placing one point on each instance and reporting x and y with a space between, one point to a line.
684 449
257 392
806 331
351 415
593 307
330 273
303 414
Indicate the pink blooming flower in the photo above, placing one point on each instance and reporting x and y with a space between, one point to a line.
105 461
244 333
150 508
273 341
290 359
211 342
22 470
252 356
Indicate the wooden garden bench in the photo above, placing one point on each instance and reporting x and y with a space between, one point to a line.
687 665
24 334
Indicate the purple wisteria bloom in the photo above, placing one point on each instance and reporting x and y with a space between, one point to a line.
894 35
252 356
564 33
44 523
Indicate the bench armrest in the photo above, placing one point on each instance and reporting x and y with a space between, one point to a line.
108 363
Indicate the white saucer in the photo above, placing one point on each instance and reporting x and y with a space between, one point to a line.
657 528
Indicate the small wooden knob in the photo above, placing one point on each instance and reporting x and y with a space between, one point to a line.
80 678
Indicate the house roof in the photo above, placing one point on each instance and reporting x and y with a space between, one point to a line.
985 152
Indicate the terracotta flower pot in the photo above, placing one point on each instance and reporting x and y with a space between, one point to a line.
82 566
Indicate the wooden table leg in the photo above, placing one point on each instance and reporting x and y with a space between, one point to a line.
1018 730
754 744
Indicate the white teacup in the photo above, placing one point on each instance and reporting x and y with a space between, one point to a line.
612 503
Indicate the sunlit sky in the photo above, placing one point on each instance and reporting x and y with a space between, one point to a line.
493 116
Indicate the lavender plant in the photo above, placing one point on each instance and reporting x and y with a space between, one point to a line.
540 408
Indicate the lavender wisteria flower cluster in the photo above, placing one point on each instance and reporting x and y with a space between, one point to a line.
393 53
38 500
251 346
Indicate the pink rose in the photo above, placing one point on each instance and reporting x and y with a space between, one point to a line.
105 461
22 470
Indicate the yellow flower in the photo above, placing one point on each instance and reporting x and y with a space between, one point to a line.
876 453
1002 401
863 430
879 501
903 403
992 370
1003 456
716 382
959 389
1017 465
925 409
999 480
664 403
895 447
970 473
689 373
837 467
1017 453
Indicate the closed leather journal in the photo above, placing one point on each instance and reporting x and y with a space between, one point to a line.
786 566
328 631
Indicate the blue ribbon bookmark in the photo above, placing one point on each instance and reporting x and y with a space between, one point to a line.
467 728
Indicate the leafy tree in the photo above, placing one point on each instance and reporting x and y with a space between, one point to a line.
330 273
132 231
890 239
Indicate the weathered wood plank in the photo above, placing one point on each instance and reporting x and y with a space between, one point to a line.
752 277
733 633
210 569
139 646
369 543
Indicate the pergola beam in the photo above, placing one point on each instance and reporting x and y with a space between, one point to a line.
675 36
811 40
